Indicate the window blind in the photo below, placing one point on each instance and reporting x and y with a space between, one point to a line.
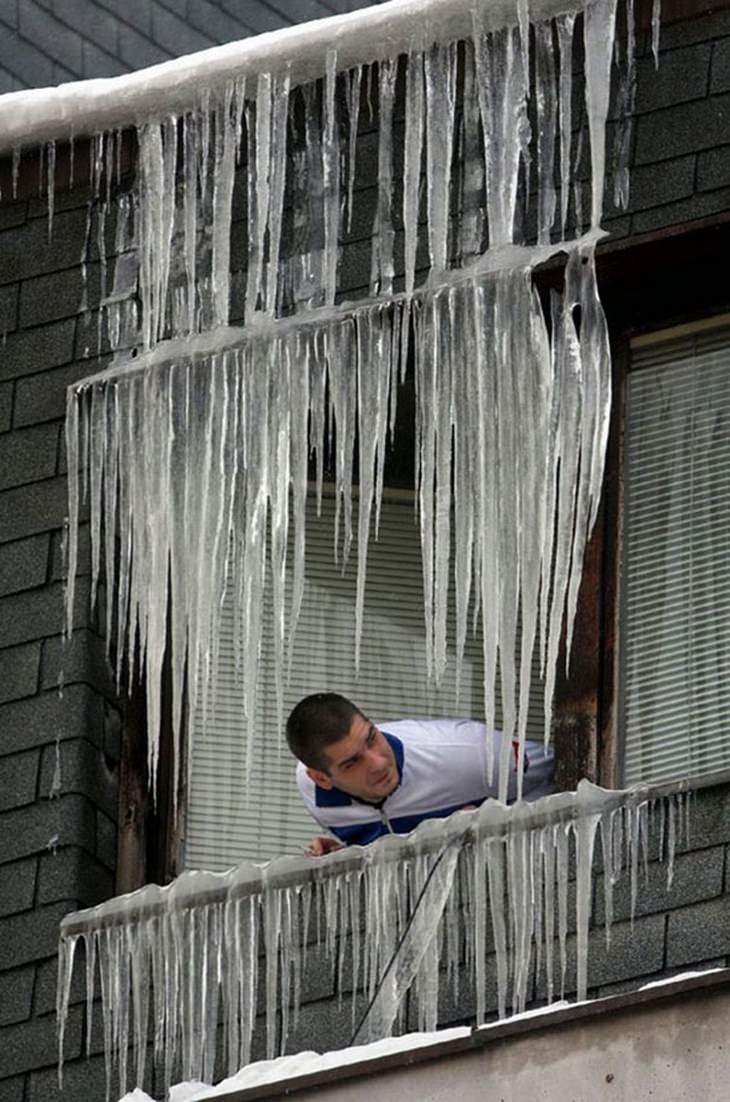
222 826
675 617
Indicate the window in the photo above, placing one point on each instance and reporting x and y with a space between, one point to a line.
222 827
675 614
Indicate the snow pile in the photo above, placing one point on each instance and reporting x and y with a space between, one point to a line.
422 913
194 456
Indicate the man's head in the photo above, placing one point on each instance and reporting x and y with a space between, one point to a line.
341 748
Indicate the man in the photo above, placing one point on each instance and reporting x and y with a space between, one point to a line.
360 781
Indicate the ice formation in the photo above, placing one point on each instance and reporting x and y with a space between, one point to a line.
193 454
481 893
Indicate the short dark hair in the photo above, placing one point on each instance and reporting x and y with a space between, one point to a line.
318 721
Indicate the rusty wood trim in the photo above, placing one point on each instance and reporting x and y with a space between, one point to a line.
608 740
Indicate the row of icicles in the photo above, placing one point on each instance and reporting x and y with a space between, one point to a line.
495 914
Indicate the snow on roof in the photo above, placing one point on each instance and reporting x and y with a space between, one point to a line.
81 108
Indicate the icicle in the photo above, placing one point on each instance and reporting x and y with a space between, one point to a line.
598 31
354 84
331 178
383 270
440 80
565 26
625 100
17 152
51 185
656 13
413 147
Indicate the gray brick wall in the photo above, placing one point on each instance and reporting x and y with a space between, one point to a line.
681 158
44 42
40 292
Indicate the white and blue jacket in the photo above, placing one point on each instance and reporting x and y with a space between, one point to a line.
442 765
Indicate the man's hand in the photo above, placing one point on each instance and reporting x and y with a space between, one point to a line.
318 847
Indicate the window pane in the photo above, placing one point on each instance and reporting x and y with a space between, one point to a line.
221 827
675 629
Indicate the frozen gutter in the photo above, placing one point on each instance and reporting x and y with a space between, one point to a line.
503 258
82 108
369 1060
199 888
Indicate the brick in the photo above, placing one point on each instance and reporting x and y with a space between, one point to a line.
32 830
39 612
73 871
33 68
176 35
83 562
699 932
46 972
84 770
259 18
38 255
28 455
697 875
720 74
20 780
23 564
82 1079
682 75
8 311
16 994
713 169
9 13
9 83
688 127
709 819
703 28
26 724
700 206
19 669
96 63
13 1090
59 295
31 937
43 397
106 840
91 20
210 19
142 14
51 36
635 950
6 406
137 51
655 185
82 658
28 510
17 886
324 1019
34 1044
299 11
35 350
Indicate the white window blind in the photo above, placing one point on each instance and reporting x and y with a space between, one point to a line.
675 623
222 828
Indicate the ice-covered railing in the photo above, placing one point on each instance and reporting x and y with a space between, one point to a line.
421 913
190 462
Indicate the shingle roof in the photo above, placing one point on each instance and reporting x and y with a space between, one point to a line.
45 42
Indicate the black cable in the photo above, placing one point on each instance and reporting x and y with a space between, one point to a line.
401 939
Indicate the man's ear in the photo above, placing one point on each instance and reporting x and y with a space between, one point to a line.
322 779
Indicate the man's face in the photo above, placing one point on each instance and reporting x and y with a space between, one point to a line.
361 763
